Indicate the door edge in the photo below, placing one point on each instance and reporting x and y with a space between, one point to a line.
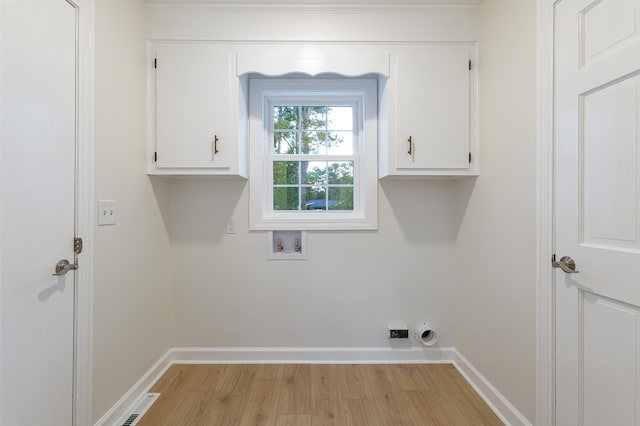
83 351
545 296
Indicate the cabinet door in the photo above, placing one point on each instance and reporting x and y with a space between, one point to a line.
192 122
433 107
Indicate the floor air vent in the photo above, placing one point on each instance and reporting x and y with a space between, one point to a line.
131 420
145 403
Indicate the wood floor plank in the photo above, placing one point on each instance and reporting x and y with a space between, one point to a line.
210 377
232 398
176 383
432 408
363 412
316 395
352 381
326 397
192 409
293 420
447 397
408 377
262 403
381 380
295 393
271 371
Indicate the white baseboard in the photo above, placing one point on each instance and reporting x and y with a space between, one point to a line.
248 355
311 355
116 415
495 400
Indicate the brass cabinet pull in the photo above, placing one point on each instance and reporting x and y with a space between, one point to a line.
215 144
410 152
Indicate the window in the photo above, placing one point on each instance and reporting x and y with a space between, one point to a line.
313 158
313 153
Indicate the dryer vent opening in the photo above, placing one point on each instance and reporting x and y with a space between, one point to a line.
425 334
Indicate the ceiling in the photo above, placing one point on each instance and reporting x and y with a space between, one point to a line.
324 2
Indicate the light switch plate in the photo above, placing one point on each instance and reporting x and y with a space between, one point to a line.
230 225
106 212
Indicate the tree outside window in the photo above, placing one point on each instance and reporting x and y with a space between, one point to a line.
314 132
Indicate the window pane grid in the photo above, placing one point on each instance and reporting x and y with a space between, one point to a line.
313 185
312 130
312 159
317 198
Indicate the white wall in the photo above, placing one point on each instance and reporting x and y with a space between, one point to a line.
227 293
133 266
495 248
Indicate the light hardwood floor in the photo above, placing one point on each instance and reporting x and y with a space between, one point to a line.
316 394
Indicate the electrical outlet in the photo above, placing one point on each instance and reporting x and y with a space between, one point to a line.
106 212
398 334
399 331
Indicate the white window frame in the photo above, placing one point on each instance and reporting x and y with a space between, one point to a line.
264 93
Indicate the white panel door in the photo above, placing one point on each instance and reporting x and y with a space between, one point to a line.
38 159
597 130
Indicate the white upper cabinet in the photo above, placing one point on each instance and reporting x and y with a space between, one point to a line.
195 104
198 102
431 114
